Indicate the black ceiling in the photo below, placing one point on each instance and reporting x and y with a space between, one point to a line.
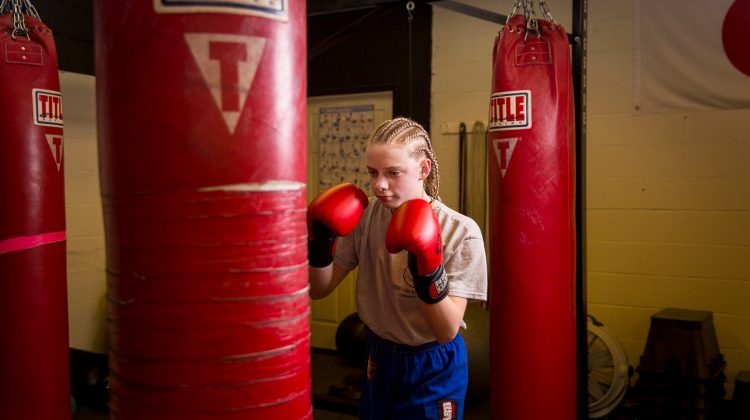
72 23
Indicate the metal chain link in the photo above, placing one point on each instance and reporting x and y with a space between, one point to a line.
531 21
532 24
545 10
516 5
19 8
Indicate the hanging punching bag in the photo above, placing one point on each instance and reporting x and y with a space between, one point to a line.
532 226
34 377
202 147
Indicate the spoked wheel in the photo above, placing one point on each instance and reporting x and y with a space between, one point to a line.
607 372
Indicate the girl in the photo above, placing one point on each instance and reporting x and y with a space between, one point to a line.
412 298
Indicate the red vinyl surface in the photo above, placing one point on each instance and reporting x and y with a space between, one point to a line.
34 372
202 142
532 225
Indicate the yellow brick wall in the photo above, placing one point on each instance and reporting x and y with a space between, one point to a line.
85 230
461 71
668 203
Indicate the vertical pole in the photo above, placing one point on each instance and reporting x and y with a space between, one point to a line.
580 20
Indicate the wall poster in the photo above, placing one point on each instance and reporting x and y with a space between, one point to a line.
343 134
338 129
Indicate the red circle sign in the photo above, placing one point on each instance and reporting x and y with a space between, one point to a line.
734 35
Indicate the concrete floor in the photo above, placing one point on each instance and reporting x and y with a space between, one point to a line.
478 412
328 371
85 413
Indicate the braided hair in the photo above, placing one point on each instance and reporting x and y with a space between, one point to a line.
408 132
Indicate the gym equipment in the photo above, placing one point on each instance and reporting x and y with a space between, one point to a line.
473 174
201 118
351 340
34 378
351 345
681 372
334 212
531 179
415 228
477 340
89 379
741 396
608 370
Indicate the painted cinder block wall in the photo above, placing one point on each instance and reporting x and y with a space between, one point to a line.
668 195
87 280
668 203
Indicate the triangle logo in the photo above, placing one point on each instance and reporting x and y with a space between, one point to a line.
503 152
55 142
228 64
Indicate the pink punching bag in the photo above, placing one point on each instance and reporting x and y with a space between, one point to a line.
532 230
34 366
202 149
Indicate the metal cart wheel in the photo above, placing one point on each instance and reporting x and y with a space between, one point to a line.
607 370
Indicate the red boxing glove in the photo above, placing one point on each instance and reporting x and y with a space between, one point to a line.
334 212
415 227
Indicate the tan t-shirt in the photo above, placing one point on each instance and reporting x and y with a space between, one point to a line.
386 300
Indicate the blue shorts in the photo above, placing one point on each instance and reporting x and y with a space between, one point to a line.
406 382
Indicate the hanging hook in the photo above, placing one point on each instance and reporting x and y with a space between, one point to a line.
531 22
409 8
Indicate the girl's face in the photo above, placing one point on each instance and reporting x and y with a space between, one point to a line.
395 177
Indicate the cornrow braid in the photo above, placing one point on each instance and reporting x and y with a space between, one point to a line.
405 131
432 183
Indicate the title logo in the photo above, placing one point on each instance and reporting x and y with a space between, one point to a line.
228 64
55 142
47 108
447 409
510 110
503 152
272 9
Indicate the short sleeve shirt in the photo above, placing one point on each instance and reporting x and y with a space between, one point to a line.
386 300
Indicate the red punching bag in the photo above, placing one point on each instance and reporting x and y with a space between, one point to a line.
34 372
532 226
201 115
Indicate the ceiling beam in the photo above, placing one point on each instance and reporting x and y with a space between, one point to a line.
323 7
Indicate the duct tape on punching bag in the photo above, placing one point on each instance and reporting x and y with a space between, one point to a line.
532 220
34 372
202 149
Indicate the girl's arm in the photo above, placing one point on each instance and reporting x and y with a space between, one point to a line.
445 317
324 280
